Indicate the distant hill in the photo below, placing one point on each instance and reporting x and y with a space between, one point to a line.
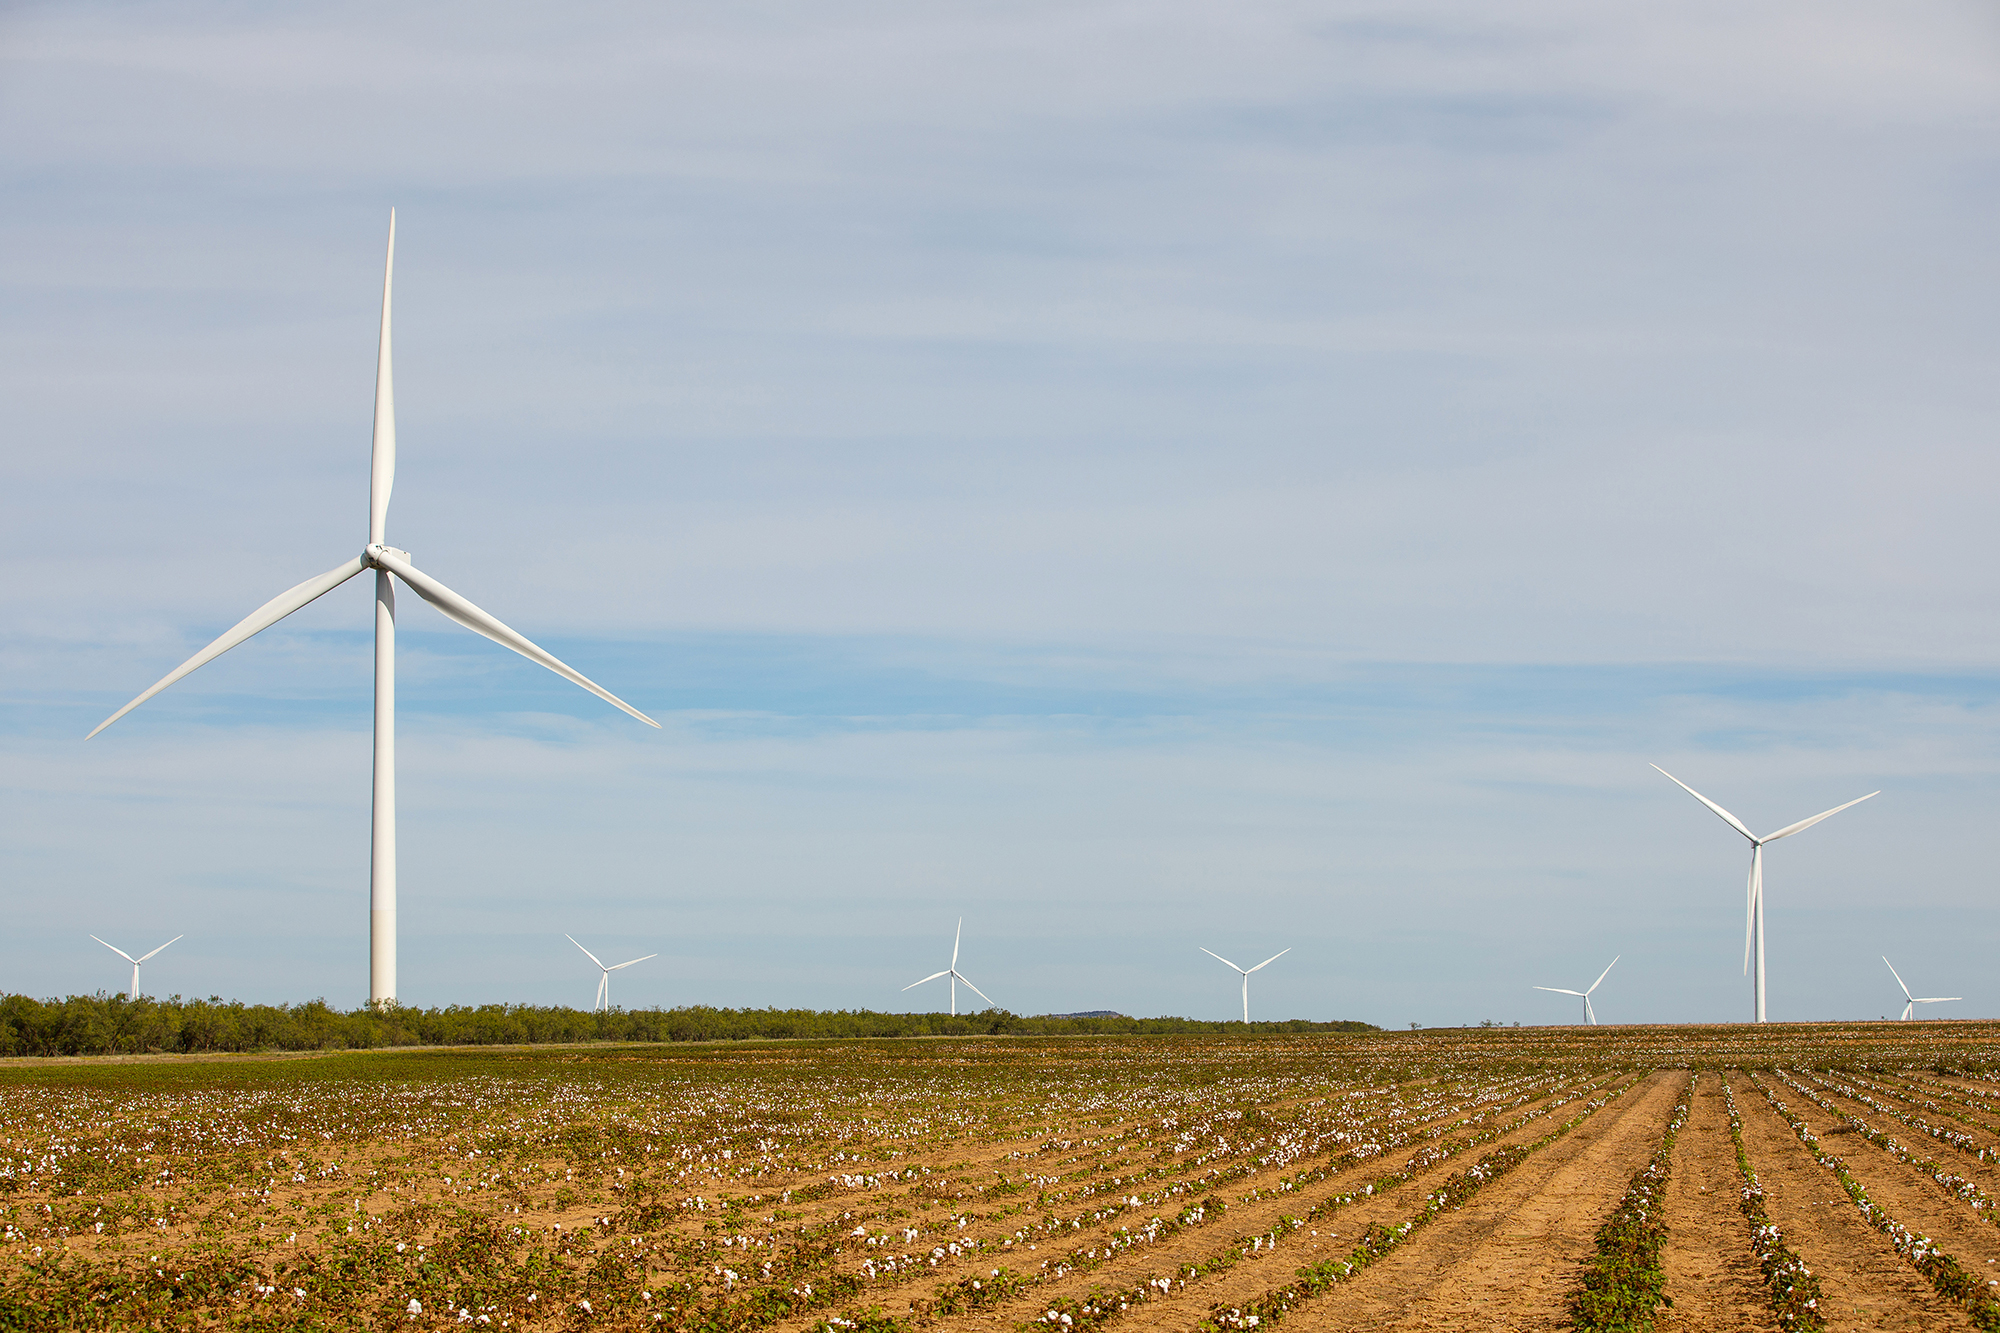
1086 1013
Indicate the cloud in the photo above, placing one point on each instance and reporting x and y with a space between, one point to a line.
1027 448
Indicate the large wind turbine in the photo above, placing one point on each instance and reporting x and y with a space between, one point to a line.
1246 971
953 973
1753 923
1910 1009
1588 1016
604 982
385 560
140 959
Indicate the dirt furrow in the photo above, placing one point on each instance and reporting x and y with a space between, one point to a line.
1917 1100
1401 1289
1712 1276
1865 1284
1191 1246
1906 1192
1985 1175
1510 1257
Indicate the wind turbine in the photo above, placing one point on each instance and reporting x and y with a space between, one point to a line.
1910 1009
1753 923
1246 971
385 560
1588 1016
604 982
135 961
953 973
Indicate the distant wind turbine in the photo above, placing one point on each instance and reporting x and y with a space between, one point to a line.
385 560
1753 924
1246 971
1910 1009
135 962
952 972
604 982
1589 1017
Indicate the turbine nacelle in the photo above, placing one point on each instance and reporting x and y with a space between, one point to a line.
391 565
1753 908
953 972
1246 971
604 981
135 962
1589 1015
1912 1001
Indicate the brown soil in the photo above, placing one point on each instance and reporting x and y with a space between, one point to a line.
1864 1282
1905 1192
1948 1115
1509 1258
1712 1275
1335 1234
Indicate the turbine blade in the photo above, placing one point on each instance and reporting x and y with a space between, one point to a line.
955 936
932 977
615 966
1558 990
120 952
1750 900
465 613
586 953
1272 959
1602 975
1213 954
1937 999
382 467
1808 823
1898 976
265 616
143 957
975 990
1727 818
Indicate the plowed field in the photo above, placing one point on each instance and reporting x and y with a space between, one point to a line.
1428 1180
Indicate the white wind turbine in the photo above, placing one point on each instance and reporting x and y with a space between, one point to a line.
1753 924
604 982
953 973
1584 995
1910 1009
135 962
385 560
1246 971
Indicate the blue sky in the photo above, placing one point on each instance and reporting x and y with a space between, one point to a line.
1137 476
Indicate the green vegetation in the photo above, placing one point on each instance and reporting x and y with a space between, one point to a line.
114 1025
1623 1284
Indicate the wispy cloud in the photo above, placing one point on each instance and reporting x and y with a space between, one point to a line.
1099 461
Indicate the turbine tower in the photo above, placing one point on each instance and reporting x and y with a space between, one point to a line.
135 962
385 560
1588 1016
604 982
953 973
1909 1010
1246 971
1753 923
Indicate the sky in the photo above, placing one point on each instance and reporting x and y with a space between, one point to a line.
1135 477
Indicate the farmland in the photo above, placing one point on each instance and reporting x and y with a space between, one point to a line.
1785 1177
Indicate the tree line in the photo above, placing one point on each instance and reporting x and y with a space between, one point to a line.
117 1025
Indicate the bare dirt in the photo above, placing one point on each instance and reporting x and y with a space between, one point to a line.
1712 1276
1337 1234
1866 1284
1509 1259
